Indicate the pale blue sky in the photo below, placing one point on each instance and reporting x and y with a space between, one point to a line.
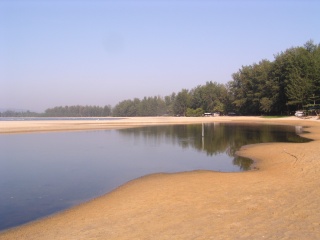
101 52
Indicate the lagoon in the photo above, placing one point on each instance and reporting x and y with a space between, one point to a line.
59 118
43 173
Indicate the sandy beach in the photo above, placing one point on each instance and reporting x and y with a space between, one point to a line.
280 199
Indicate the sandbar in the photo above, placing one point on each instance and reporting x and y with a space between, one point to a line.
280 199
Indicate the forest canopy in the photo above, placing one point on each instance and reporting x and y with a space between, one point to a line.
290 82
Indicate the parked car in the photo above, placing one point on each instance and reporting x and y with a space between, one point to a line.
299 114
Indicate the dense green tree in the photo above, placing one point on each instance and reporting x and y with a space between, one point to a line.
194 112
279 87
211 97
148 106
253 90
298 74
169 102
214 97
196 97
124 108
181 102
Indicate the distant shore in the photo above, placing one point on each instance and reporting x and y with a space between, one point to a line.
280 200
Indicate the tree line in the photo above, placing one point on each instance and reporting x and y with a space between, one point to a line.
210 97
13 113
64 111
78 111
290 82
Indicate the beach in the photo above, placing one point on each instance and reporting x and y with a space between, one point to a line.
278 199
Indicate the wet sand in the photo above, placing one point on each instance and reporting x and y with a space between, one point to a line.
279 200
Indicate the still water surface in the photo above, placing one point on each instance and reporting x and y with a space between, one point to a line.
42 173
26 119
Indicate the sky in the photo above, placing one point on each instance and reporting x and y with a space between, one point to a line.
68 52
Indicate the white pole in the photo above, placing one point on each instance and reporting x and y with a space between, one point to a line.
202 130
202 136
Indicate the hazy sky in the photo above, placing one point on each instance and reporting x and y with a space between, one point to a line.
60 52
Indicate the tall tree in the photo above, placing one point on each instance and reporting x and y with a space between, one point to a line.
297 70
252 88
214 97
181 102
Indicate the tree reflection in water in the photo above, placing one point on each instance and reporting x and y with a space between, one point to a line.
219 137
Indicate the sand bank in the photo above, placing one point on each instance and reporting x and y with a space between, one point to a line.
80 125
278 201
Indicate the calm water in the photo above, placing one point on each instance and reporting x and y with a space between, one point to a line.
44 173
58 118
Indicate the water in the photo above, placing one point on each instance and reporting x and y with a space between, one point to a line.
42 173
58 118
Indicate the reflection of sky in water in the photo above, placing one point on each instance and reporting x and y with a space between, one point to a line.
46 172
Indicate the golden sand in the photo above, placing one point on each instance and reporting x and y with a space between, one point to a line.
280 200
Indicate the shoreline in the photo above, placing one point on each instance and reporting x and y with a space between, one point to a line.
278 201
13 127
